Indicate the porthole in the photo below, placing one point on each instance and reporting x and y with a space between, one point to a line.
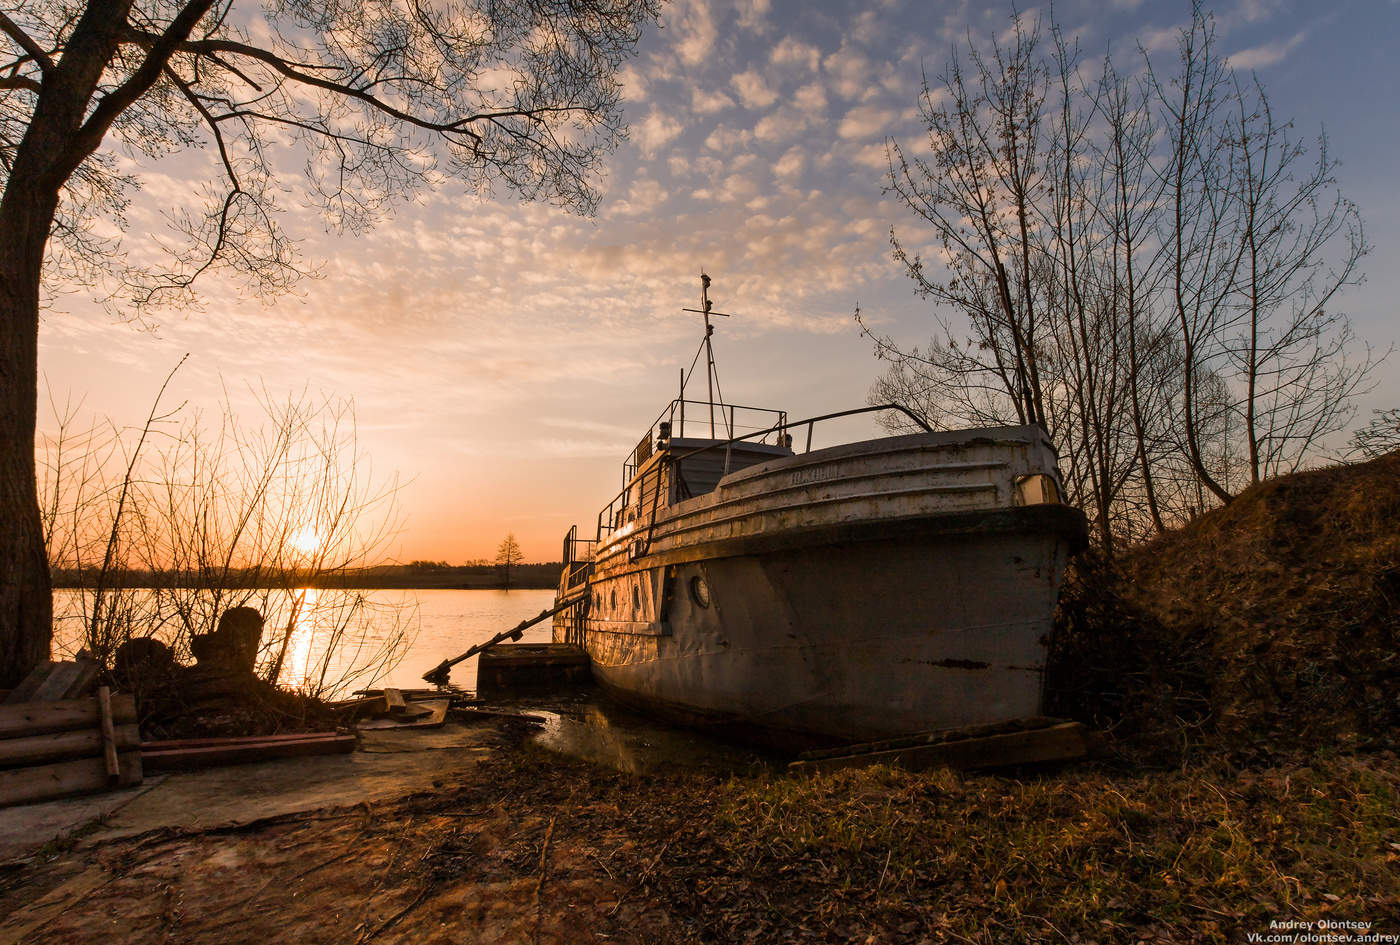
613 600
700 591
636 599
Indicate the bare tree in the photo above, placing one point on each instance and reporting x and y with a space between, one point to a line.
164 527
1147 268
1380 436
508 555
385 95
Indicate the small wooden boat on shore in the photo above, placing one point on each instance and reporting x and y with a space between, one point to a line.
869 590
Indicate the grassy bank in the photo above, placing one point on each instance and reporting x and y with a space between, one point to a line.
531 847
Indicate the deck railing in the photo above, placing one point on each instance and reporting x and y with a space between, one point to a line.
723 419
612 517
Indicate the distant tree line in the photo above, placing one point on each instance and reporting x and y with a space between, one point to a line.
1147 263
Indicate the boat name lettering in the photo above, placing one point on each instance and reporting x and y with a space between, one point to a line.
812 474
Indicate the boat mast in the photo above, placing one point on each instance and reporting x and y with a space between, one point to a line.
711 373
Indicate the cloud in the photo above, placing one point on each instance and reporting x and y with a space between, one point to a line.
1258 57
634 84
707 101
695 26
810 98
850 72
791 163
728 140
753 14
872 156
780 125
643 197
753 90
656 131
790 51
866 122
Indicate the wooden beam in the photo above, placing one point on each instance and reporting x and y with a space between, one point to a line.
1062 742
395 699
42 782
88 670
61 746
214 755
109 734
30 683
36 718
53 688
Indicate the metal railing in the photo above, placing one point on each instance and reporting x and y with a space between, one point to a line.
577 558
731 416
615 512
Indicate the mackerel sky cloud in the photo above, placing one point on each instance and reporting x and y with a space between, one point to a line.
504 357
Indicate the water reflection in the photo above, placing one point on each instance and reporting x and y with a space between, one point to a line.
594 729
423 626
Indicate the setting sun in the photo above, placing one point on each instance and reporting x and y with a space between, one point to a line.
305 540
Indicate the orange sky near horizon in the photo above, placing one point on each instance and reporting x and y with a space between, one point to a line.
504 358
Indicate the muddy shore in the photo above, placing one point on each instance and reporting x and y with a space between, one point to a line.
499 840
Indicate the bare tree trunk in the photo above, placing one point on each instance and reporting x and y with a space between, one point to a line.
26 601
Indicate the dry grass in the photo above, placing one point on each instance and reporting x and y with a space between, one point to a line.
1265 627
531 847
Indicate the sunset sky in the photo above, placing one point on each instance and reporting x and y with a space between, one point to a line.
504 357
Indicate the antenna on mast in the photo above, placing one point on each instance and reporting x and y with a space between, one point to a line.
711 374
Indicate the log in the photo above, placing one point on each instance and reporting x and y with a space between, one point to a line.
435 716
66 746
88 670
42 782
1062 742
181 759
30 683
368 705
109 734
56 685
169 744
37 718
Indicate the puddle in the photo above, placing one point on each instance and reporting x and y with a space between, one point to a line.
593 729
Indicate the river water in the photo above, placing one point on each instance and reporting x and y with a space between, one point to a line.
436 625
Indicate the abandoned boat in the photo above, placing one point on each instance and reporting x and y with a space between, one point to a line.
874 589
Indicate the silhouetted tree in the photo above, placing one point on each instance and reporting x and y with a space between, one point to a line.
386 95
507 555
1148 268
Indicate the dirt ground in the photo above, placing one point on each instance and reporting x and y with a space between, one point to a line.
518 844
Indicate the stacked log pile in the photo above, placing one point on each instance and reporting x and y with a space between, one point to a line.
58 738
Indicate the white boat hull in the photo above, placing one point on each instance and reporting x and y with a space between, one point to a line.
863 592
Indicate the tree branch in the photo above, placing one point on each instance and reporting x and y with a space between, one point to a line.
26 42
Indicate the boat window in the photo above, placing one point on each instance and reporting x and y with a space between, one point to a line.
613 603
636 599
700 591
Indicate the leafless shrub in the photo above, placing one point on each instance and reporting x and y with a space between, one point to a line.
162 528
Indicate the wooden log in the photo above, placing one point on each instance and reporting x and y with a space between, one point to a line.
1063 742
53 688
180 759
30 683
109 734
66 746
363 707
436 716
88 670
42 782
169 744
37 718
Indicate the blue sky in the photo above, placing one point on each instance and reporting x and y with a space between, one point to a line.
504 357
